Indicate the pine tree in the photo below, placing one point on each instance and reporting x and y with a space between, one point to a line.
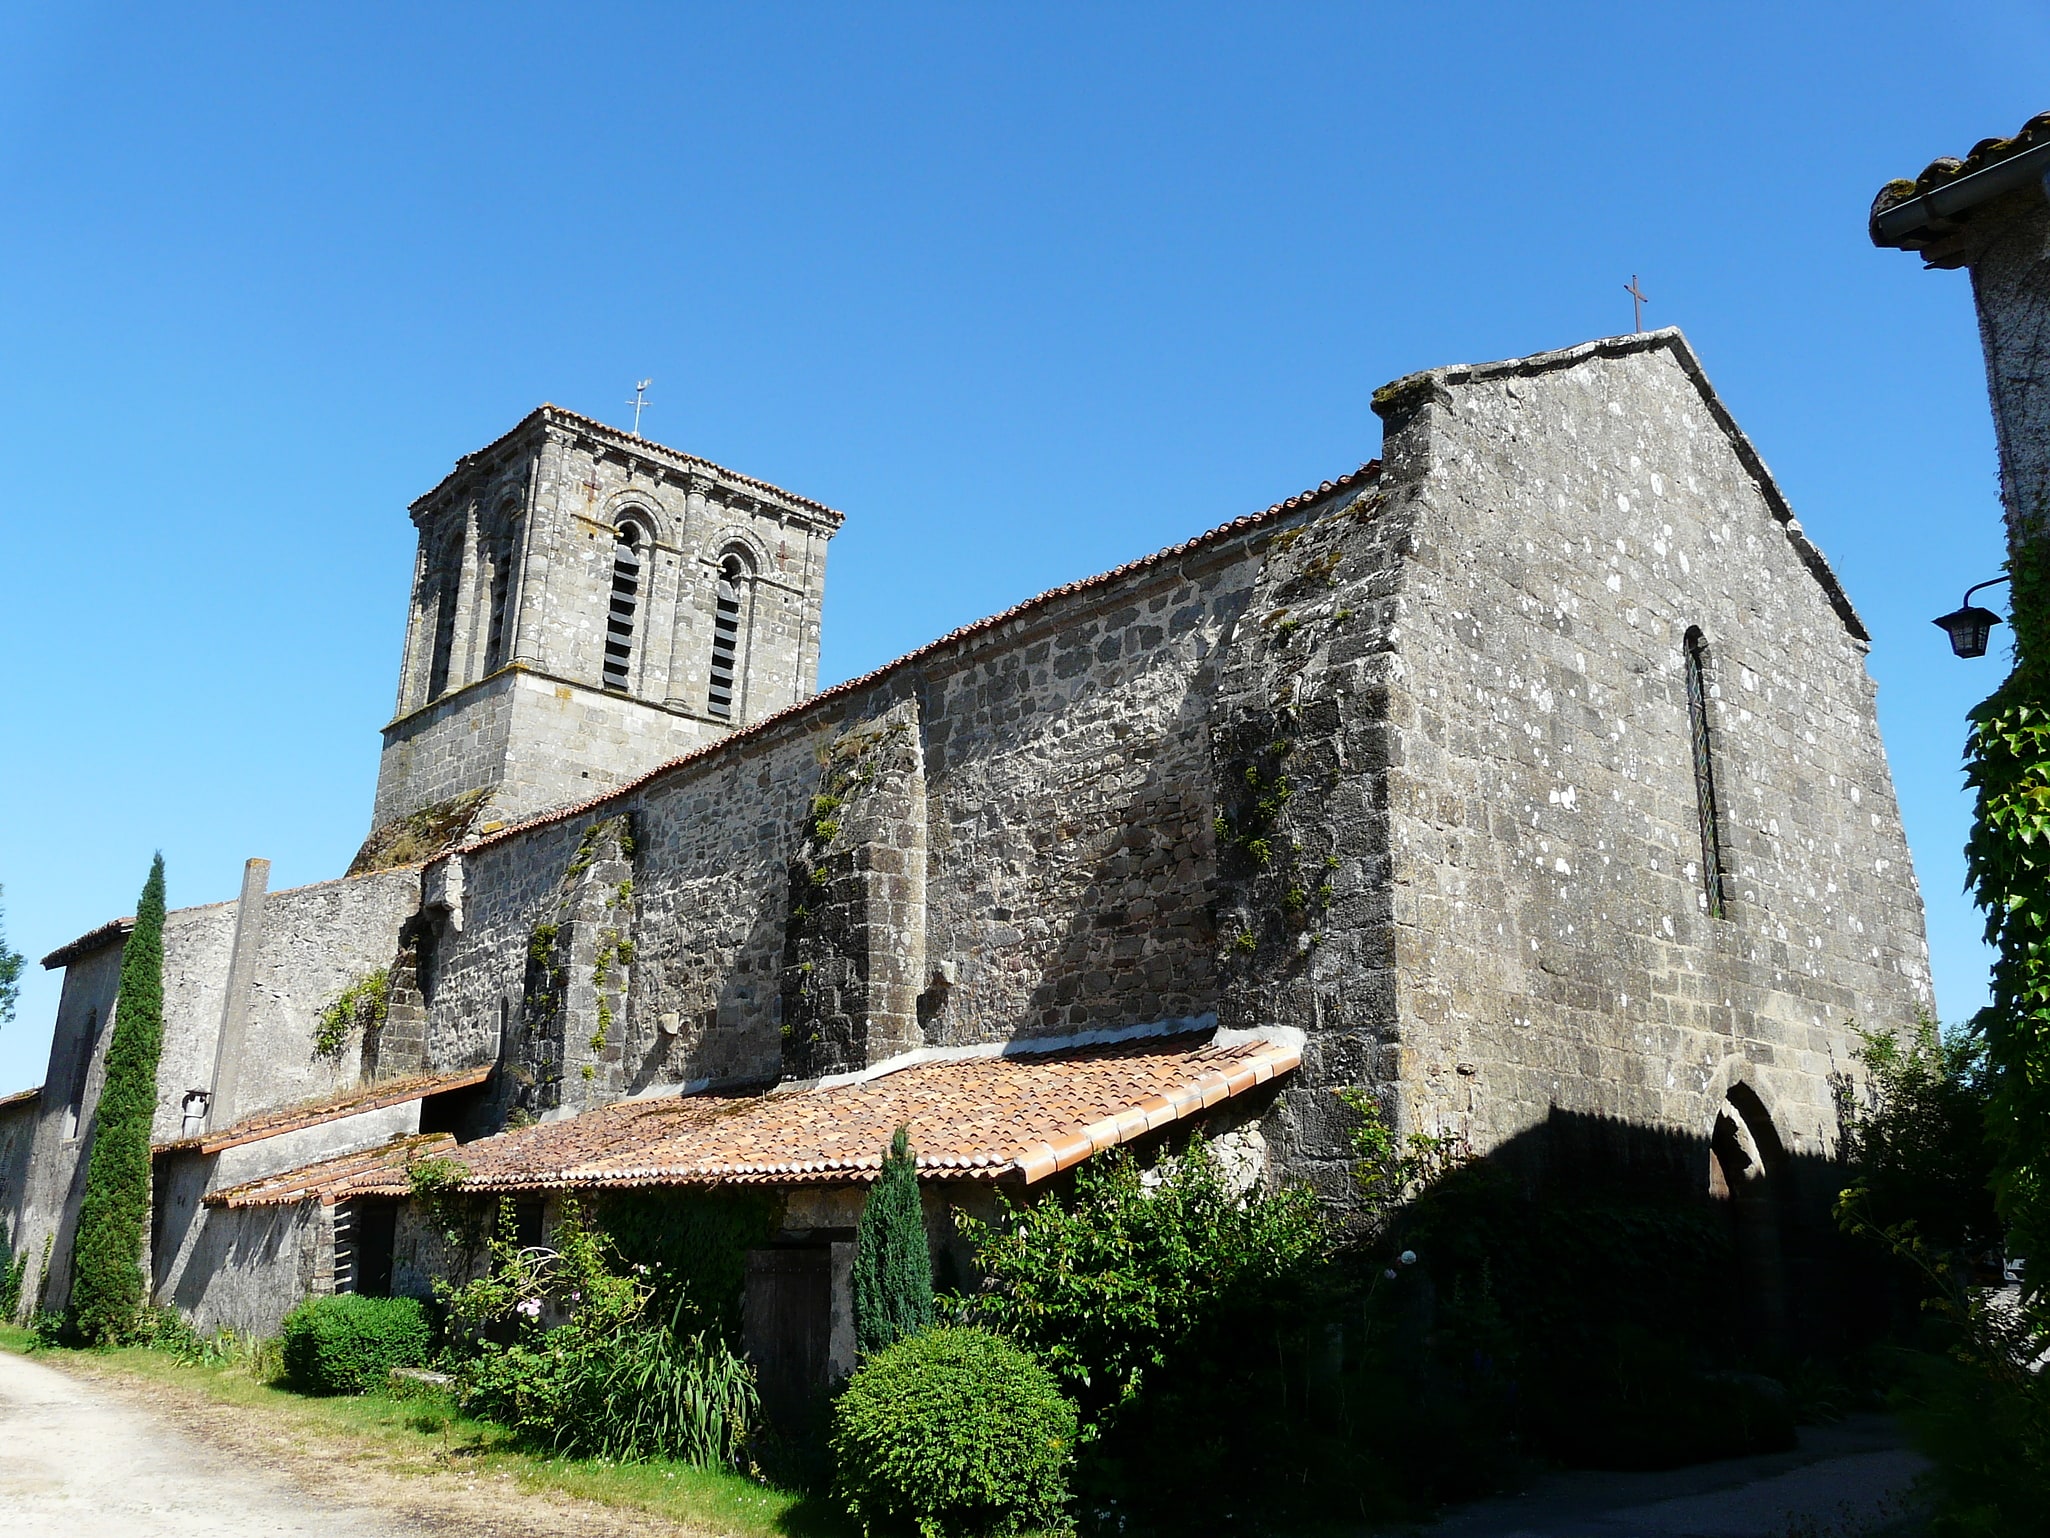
106 1255
892 1266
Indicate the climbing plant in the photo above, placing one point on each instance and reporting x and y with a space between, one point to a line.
106 1255
2007 764
363 1004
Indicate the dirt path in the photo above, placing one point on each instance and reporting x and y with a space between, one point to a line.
98 1455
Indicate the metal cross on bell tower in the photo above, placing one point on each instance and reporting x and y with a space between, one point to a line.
639 403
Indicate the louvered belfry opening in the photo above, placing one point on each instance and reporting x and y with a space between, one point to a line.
626 598
1696 646
500 592
726 637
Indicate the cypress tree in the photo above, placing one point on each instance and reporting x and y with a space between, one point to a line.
892 1266
106 1254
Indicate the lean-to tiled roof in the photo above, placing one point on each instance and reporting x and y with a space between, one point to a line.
1916 215
336 1179
1352 479
92 940
971 1118
311 1113
19 1096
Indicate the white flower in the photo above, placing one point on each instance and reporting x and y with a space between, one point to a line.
531 1307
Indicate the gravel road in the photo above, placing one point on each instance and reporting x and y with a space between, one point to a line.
77 1461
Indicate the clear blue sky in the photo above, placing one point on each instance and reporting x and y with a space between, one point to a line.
1026 291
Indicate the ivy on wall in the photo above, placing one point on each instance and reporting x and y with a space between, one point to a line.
363 1003
2007 764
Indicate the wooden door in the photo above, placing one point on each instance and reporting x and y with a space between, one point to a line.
786 1327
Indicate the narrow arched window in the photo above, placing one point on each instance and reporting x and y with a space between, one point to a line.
726 617
1696 647
443 660
626 602
500 594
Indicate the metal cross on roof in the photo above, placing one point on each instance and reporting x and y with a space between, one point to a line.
639 401
1636 301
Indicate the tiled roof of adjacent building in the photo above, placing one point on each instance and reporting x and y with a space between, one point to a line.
19 1096
311 1113
1914 215
92 940
985 1117
336 1179
1238 526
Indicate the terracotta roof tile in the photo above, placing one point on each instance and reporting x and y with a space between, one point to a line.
336 1179
311 1113
972 1118
92 940
1917 228
1362 476
20 1095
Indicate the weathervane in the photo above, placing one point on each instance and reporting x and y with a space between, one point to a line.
639 401
1636 301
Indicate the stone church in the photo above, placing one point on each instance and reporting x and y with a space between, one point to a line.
1527 776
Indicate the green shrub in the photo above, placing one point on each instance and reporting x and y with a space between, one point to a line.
348 1344
624 1394
1133 1271
892 1263
953 1431
608 1383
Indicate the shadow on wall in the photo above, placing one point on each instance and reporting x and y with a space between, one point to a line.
1616 1254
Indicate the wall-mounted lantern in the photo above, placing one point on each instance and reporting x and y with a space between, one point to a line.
1969 626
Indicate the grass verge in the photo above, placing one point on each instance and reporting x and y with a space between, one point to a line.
425 1434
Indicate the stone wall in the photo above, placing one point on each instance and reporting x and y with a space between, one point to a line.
316 941
1406 765
1573 516
1064 756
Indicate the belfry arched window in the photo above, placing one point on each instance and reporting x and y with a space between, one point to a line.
446 591
628 555
728 614
1696 648
499 595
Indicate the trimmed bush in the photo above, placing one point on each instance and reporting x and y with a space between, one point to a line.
348 1344
953 1431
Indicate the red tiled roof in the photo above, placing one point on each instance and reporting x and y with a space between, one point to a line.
975 1118
334 1180
1366 472
1921 226
311 1113
92 940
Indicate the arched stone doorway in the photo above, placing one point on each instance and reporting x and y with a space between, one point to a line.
1747 1170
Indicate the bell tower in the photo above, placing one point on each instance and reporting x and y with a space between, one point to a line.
587 605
